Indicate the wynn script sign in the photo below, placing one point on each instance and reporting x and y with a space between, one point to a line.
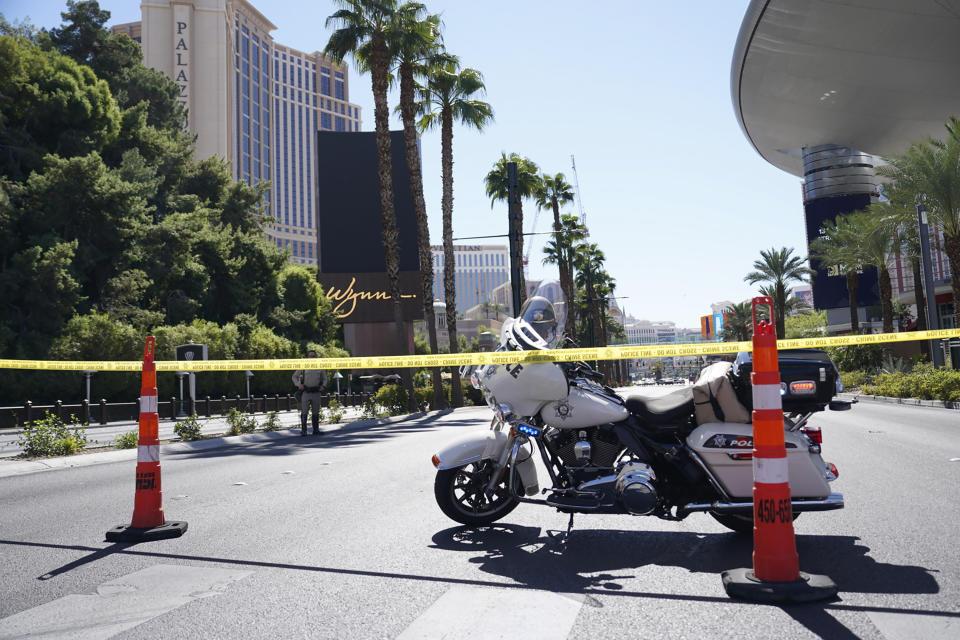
365 297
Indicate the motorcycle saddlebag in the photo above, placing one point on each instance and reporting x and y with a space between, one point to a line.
808 379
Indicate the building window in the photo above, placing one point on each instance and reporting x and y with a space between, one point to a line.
325 122
339 87
340 124
325 81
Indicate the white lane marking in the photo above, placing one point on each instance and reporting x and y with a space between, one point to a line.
908 626
482 613
120 604
954 459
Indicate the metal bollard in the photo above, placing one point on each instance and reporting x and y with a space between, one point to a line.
173 407
27 412
58 409
103 411
85 411
206 405
223 405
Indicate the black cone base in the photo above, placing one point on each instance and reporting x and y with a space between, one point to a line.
122 533
741 583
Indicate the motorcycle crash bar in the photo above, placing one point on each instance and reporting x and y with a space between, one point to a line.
831 502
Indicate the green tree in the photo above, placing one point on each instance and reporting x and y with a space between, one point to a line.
931 170
809 324
415 44
562 249
364 27
554 192
837 248
51 105
738 322
528 184
778 268
450 96
304 313
876 243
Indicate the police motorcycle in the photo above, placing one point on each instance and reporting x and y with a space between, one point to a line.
612 455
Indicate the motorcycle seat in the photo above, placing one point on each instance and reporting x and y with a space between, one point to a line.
672 409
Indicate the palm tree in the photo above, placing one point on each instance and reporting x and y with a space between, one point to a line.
838 247
931 169
414 44
365 27
738 322
561 249
778 267
528 182
449 97
876 243
589 261
554 192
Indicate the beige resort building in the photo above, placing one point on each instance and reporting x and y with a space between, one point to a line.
252 101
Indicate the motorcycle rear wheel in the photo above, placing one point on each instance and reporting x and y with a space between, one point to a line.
739 523
460 494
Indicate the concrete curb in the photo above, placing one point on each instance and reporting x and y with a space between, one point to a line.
907 402
22 467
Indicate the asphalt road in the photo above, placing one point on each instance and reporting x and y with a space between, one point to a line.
339 536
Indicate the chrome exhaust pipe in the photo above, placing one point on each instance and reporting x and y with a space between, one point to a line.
831 502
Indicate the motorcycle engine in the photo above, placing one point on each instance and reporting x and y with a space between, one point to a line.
598 446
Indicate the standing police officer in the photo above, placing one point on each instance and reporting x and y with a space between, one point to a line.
311 382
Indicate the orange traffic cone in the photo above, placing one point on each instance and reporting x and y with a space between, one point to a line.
148 522
776 576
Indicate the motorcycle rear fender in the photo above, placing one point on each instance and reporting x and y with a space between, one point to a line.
488 445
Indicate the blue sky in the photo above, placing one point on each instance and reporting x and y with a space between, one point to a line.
638 91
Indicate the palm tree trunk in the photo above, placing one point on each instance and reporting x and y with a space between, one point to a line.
853 283
379 61
408 115
951 246
780 310
886 299
449 282
566 284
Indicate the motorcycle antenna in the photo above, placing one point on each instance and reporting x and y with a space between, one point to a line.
576 183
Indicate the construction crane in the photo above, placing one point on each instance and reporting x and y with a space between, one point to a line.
576 183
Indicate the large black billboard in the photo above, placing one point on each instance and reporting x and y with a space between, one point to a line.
352 258
829 284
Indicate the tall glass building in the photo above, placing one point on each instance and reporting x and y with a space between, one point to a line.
252 101
478 270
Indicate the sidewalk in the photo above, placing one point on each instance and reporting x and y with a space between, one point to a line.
103 435
910 402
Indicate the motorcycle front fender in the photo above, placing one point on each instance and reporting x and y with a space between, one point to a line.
487 445
474 447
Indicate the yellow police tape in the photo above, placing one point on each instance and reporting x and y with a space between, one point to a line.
620 352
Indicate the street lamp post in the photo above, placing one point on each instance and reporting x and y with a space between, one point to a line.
933 320
181 412
248 374
338 377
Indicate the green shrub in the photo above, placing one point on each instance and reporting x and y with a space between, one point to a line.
393 398
126 440
855 379
857 357
334 412
272 422
188 429
50 436
240 423
923 382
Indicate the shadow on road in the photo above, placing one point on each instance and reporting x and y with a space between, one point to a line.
349 435
598 561
597 558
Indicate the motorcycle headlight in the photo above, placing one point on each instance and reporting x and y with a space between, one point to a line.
475 379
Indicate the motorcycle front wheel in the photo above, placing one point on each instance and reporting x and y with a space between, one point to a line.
738 523
461 494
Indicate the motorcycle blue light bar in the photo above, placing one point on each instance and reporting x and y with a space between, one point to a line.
530 431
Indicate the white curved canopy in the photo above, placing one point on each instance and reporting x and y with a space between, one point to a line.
872 75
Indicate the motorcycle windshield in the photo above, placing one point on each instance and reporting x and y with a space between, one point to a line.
545 312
